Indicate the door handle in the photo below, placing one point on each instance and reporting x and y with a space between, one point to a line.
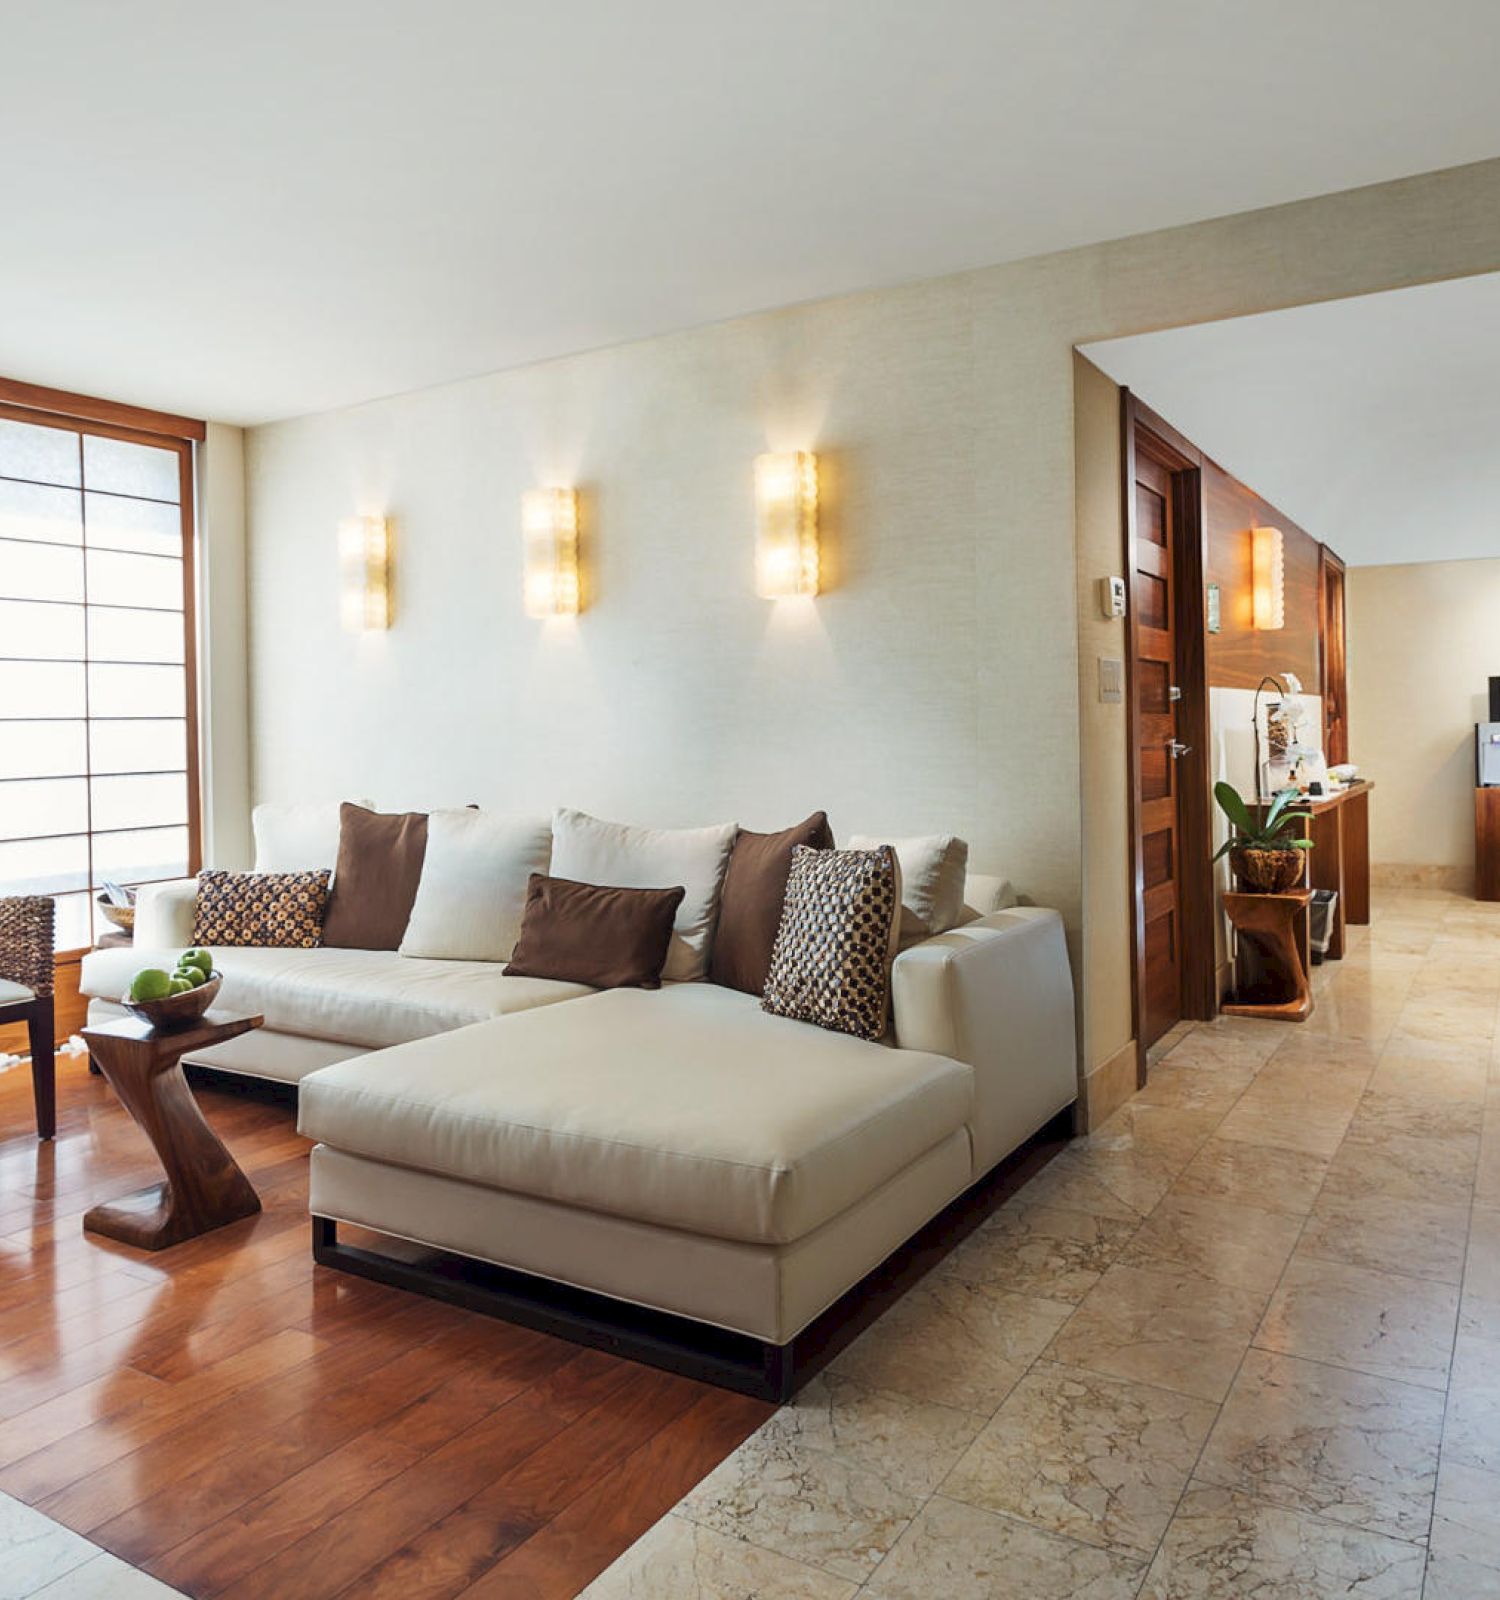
1176 749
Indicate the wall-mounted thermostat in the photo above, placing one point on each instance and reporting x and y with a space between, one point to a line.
1112 597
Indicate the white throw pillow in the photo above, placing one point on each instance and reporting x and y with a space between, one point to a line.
933 867
621 856
293 837
473 887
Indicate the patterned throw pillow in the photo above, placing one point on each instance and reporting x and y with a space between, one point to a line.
831 963
283 909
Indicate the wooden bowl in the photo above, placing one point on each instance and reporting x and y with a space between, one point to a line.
122 916
177 1010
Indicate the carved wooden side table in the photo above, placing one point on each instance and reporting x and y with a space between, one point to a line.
1270 974
204 1187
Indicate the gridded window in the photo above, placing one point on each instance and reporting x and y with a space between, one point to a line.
97 737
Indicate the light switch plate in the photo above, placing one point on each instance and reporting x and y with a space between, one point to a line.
1111 680
1112 598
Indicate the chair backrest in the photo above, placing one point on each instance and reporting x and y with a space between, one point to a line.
26 923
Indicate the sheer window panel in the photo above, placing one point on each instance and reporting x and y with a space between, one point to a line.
133 691
30 628
136 469
74 925
115 522
116 634
44 866
141 800
47 689
117 578
45 455
44 805
34 511
40 571
43 750
139 745
141 855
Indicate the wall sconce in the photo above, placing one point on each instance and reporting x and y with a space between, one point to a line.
549 525
365 573
786 524
1267 578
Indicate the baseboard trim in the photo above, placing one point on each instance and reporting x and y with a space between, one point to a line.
1421 875
1109 1086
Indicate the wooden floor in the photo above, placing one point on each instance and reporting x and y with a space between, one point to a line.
239 1423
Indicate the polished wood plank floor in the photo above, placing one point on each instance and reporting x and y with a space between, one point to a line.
240 1423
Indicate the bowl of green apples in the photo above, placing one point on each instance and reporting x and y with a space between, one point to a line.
174 999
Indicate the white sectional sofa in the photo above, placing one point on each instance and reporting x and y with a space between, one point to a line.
681 1152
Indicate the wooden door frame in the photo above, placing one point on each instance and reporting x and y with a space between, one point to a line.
1196 935
1329 560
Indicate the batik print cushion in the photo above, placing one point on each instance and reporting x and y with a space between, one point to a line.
831 963
278 909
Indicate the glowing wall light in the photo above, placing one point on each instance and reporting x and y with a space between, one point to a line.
786 524
549 524
1267 578
365 573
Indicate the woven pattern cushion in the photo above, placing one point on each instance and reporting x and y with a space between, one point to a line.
281 910
26 922
832 960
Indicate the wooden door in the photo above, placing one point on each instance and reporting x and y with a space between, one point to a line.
1158 748
1335 684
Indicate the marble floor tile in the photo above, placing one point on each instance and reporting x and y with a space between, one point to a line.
1375 1322
1223 1241
1255 1175
1173 1131
1370 1229
1401 1167
911 1443
1068 1184
814 1508
1040 1250
1471 1430
105 1577
1226 1546
1315 1130
954 1343
1466 1518
1435 1077
1336 1444
1217 1045
1390 1112
1098 1459
1451 1577
1482 1272
35 1550
1136 1179
959 1552
1188 1087
679 1560
1176 1329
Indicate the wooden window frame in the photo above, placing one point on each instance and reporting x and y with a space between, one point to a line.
107 419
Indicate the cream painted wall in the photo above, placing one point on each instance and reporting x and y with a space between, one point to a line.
1424 639
223 655
936 685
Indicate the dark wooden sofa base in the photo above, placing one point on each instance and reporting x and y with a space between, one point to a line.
680 1344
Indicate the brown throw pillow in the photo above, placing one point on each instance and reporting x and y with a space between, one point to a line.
832 961
375 882
278 909
586 933
750 901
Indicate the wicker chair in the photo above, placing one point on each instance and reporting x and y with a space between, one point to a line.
26 993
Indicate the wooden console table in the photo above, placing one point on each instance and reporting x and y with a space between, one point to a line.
1271 972
204 1187
1339 826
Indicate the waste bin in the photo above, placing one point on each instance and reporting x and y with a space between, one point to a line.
1320 911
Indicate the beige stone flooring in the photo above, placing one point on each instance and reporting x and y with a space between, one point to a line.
1242 1343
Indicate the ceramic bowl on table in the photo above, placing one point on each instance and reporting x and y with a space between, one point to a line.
177 1010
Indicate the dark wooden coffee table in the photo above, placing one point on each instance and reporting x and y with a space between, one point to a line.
204 1188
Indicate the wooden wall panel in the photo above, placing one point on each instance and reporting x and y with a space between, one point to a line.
1239 656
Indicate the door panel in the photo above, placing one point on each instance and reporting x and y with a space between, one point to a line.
1153 674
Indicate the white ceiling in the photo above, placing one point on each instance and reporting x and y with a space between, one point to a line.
250 210
1374 423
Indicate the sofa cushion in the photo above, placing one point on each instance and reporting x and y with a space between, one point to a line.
366 997
261 908
689 1107
473 889
933 871
623 856
375 882
754 889
586 933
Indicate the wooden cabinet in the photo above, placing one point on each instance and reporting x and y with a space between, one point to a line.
1487 844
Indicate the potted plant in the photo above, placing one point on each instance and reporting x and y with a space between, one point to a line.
1266 852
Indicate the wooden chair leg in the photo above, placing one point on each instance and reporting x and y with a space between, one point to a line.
43 1069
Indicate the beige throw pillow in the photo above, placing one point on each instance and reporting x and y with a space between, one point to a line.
619 855
933 869
472 893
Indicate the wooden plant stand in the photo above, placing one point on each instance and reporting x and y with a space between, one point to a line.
204 1187
1271 973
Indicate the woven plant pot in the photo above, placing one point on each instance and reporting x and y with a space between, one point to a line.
1267 871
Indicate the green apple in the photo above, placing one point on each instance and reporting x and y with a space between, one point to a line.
151 983
181 986
192 976
197 958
